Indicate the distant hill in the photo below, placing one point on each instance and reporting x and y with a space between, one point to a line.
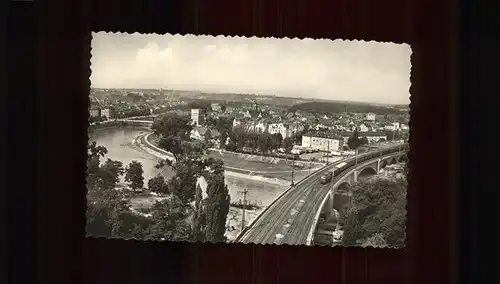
337 107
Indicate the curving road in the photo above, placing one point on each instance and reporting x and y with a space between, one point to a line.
290 218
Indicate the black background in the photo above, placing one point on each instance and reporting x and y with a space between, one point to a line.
49 68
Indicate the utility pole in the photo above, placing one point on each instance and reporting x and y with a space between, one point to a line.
293 168
244 192
356 156
328 151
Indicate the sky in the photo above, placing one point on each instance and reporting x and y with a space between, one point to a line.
325 69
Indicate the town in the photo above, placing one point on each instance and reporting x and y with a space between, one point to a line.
309 130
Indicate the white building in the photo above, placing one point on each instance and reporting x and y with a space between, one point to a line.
364 128
370 116
215 107
393 126
195 116
95 112
107 112
274 128
198 133
322 141
260 126
236 123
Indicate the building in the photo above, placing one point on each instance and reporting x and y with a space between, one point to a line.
274 128
95 112
393 126
323 141
198 133
107 112
236 123
195 116
370 116
364 128
215 107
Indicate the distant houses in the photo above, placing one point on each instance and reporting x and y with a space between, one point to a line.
371 136
370 116
199 133
103 113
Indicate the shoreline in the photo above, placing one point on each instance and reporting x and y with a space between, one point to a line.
230 171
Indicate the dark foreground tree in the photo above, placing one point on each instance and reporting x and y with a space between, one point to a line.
216 207
169 218
378 207
198 233
134 175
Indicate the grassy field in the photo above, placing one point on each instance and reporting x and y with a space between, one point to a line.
259 165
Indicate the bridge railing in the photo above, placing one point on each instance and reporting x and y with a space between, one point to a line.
349 159
337 179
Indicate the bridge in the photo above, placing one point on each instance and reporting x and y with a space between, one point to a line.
293 217
135 122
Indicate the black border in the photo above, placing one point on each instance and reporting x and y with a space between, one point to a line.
51 156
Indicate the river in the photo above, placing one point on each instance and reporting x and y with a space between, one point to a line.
118 141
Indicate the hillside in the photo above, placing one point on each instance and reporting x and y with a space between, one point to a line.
338 107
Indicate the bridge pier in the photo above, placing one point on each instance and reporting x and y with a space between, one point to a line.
379 163
328 207
355 175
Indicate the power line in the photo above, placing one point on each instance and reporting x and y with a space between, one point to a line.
244 192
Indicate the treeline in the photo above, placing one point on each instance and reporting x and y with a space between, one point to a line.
132 113
241 140
337 107
377 215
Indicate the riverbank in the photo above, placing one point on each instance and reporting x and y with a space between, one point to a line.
252 165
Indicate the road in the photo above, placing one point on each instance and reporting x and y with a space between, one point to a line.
290 218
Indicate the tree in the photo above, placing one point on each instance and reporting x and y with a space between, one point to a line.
287 144
265 142
173 144
207 137
277 140
354 142
381 140
172 124
169 218
223 108
363 141
216 206
198 233
109 174
223 139
134 175
94 154
378 207
376 240
157 184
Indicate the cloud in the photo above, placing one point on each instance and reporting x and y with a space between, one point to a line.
342 70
